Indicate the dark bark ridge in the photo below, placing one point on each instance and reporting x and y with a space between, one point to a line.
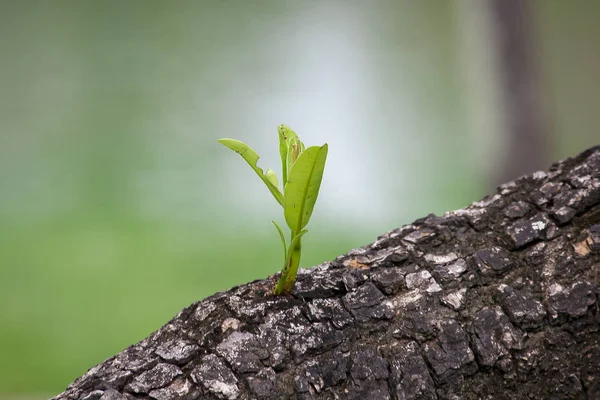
495 301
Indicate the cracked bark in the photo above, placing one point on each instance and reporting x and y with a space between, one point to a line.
495 301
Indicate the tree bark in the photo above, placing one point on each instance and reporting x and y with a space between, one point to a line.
495 301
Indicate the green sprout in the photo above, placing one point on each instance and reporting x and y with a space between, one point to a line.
302 171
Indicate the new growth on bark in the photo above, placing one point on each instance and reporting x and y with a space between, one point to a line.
495 301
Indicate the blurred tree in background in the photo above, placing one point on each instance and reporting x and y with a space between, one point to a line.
118 207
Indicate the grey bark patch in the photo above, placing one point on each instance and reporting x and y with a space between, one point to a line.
518 209
572 301
538 198
324 310
595 238
422 280
536 254
302 385
523 310
369 373
388 280
353 279
315 339
493 261
420 235
232 324
563 214
244 308
367 364
409 376
551 189
157 377
455 299
585 196
322 373
243 351
366 304
475 216
286 322
494 336
117 378
319 283
112 394
176 351
360 390
416 325
441 259
263 384
275 343
528 231
452 271
134 359
203 311
216 377
180 389
398 256
449 355
95 395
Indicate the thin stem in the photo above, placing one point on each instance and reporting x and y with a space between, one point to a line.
288 275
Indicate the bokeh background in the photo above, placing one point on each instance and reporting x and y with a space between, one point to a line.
118 207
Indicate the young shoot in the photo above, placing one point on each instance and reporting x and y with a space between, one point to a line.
302 171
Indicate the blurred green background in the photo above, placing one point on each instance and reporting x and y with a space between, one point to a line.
118 207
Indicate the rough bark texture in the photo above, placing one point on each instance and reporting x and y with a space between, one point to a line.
495 301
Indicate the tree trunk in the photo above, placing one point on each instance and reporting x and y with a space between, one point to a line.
527 136
495 301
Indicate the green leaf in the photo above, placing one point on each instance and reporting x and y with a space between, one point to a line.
252 158
302 188
282 242
285 134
